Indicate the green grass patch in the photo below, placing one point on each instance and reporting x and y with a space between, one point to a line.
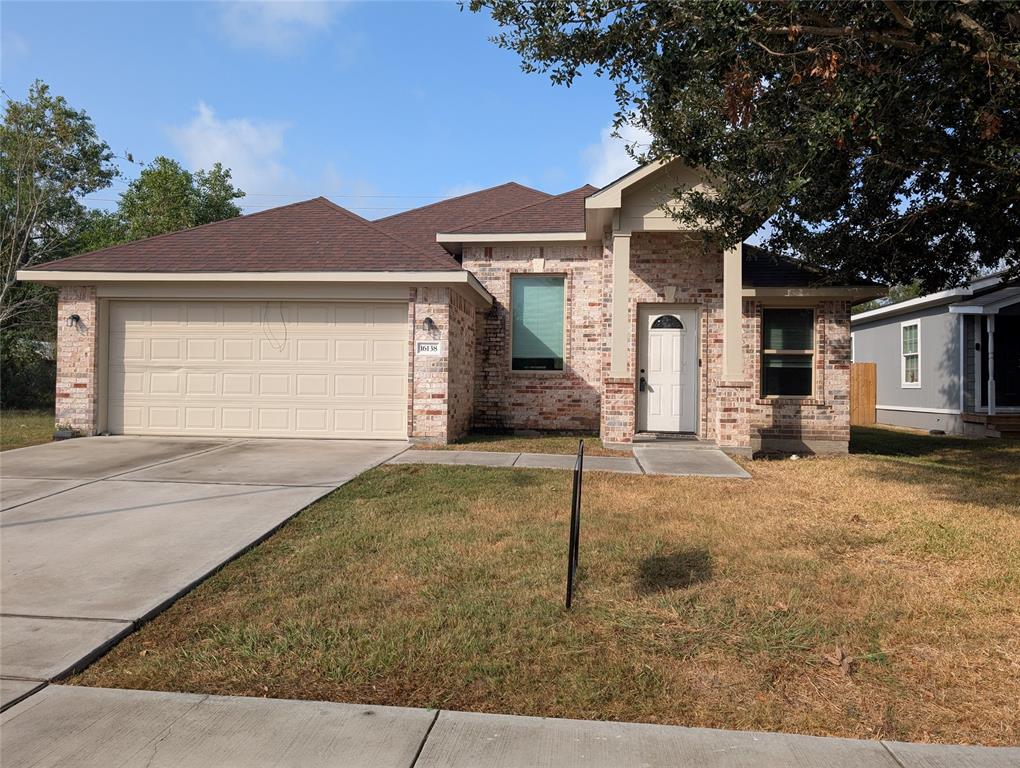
19 429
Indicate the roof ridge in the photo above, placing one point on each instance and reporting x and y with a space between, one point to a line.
518 210
179 231
371 225
461 197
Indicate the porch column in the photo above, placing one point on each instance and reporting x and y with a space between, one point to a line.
619 334
733 286
991 365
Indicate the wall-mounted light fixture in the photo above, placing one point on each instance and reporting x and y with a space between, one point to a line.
73 321
429 324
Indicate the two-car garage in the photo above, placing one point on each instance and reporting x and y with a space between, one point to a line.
257 368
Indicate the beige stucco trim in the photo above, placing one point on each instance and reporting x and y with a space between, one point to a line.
513 237
457 279
733 343
612 196
850 292
619 334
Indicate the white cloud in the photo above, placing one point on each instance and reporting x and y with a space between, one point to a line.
250 149
14 45
278 26
608 159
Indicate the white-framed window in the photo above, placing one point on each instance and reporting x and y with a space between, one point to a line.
788 352
853 347
537 333
910 354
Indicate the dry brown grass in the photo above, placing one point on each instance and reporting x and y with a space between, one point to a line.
703 602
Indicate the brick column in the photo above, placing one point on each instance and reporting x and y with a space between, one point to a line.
77 355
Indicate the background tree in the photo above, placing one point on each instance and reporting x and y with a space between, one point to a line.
165 198
878 137
50 156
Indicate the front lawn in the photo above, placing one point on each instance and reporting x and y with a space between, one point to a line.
556 443
875 595
21 428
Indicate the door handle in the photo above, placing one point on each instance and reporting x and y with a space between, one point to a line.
642 384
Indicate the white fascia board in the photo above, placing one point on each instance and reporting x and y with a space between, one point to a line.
921 302
459 277
611 196
513 237
991 308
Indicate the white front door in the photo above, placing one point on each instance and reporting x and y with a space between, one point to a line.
668 370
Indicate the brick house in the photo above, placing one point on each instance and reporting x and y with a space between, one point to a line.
507 308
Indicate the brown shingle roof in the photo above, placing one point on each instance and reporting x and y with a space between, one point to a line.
312 236
420 225
562 213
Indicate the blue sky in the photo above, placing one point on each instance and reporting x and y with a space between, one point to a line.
379 106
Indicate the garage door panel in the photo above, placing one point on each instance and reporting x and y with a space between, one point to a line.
326 369
238 350
388 350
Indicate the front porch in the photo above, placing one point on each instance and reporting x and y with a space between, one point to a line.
1000 424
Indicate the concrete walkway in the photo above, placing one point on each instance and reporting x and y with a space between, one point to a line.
102 533
96 727
674 459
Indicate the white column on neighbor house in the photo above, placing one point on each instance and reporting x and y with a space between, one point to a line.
619 335
991 365
733 286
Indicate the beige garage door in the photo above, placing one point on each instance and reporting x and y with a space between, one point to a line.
256 368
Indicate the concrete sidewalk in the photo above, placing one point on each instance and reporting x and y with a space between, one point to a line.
68 726
675 460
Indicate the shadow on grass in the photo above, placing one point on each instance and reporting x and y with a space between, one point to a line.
890 442
678 569
959 469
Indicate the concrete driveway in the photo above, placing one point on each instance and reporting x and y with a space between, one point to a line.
101 533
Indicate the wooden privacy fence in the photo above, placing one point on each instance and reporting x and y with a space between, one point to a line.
863 386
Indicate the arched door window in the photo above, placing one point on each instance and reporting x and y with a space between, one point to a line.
668 321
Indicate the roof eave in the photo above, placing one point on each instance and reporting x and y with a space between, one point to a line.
458 277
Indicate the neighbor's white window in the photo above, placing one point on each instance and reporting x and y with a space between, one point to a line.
537 312
910 354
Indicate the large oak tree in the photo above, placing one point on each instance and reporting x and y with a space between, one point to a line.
878 138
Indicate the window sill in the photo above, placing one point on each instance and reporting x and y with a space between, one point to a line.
910 386
806 400
537 374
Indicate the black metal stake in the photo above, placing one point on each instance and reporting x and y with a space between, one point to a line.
573 548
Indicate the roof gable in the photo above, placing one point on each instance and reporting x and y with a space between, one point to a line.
562 213
314 235
420 225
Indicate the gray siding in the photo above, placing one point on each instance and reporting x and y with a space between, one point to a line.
878 342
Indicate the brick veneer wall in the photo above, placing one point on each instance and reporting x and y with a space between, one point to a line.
818 423
440 388
462 367
77 354
559 400
673 268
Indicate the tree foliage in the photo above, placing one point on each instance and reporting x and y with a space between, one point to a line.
879 138
50 156
165 198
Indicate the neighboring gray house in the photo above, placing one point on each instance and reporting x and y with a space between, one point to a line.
949 360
